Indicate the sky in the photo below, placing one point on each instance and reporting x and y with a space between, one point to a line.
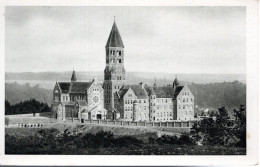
156 39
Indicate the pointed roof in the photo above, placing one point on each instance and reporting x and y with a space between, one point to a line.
176 82
64 87
137 89
114 39
73 77
161 91
178 90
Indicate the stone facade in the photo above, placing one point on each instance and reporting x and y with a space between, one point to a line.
140 102
114 73
81 100
118 101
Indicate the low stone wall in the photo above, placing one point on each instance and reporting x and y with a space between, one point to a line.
28 120
174 124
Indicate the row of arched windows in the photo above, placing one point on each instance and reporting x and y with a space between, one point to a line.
116 52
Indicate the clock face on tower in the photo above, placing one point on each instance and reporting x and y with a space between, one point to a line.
95 99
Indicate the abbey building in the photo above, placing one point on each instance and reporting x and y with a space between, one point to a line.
115 99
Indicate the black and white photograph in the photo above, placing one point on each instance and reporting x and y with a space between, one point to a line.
128 80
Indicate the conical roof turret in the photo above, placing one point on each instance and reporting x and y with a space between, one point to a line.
114 39
73 77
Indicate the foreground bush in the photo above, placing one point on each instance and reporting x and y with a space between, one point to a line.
104 143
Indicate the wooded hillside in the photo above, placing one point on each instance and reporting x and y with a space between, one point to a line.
213 95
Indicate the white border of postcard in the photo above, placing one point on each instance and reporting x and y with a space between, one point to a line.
252 63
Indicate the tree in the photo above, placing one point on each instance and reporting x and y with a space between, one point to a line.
213 132
27 106
7 107
240 125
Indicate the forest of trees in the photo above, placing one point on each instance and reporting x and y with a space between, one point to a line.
215 95
15 93
25 107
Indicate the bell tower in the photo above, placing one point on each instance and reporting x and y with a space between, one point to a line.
114 73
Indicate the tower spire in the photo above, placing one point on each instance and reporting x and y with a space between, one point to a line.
73 77
114 39
155 82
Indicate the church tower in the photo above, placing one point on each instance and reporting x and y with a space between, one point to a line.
114 73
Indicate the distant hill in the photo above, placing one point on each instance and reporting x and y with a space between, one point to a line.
15 93
131 77
216 95
212 95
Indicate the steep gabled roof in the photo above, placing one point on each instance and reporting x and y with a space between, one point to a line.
161 91
80 87
150 90
137 89
114 39
123 91
64 87
178 90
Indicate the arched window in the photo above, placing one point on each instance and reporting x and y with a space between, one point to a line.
119 53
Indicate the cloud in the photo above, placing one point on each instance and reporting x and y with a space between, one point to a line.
156 39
